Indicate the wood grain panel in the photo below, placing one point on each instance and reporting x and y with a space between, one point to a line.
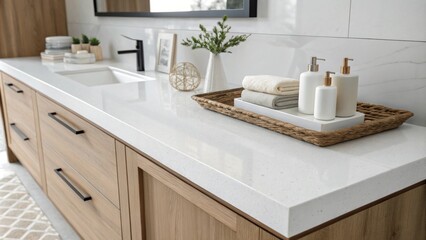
207 204
164 207
135 184
267 236
400 218
20 108
92 154
24 25
10 155
39 145
128 6
94 219
120 149
170 216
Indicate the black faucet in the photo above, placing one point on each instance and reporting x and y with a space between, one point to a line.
138 51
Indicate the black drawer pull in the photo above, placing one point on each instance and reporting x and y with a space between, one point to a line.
53 115
19 132
83 196
14 88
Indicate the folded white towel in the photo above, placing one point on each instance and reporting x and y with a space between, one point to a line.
271 84
269 100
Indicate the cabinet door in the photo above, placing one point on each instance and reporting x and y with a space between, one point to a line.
164 207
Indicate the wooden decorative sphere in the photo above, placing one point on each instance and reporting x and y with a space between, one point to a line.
184 77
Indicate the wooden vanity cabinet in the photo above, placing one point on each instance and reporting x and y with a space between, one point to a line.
81 171
165 207
21 126
91 214
84 147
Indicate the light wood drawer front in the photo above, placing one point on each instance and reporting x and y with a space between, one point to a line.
93 219
21 124
20 108
91 153
21 94
25 151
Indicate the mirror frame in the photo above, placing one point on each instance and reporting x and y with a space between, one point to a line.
249 10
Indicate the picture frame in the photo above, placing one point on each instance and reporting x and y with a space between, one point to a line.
166 48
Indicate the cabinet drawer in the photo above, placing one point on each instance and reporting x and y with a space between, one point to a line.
21 124
84 147
93 218
21 94
24 146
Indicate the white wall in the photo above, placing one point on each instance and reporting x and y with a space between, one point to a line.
387 39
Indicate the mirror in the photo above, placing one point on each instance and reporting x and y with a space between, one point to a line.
176 8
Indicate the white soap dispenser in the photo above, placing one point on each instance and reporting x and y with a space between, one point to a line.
325 100
347 90
307 83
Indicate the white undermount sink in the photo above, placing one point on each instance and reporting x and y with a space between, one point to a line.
103 76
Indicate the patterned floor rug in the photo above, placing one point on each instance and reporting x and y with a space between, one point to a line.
20 216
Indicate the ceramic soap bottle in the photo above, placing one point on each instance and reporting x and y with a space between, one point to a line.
347 90
307 83
325 100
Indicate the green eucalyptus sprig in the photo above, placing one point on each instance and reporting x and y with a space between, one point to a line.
215 41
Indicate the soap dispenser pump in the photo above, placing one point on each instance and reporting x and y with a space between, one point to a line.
347 90
325 100
308 82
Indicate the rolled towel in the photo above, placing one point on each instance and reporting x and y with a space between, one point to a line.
269 100
271 84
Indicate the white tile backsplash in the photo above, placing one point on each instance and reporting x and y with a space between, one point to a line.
80 11
389 19
284 37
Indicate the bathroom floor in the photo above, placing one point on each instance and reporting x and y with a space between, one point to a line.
59 223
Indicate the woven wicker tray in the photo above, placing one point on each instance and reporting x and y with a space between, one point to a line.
377 119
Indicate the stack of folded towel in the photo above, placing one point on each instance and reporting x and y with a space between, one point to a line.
56 47
81 57
271 91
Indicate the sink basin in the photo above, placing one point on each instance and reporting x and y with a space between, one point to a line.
103 76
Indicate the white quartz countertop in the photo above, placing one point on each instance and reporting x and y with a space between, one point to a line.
288 185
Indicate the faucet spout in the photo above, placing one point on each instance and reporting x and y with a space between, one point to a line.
126 51
139 54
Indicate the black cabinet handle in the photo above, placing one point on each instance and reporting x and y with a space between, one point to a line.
19 132
14 88
83 196
53 115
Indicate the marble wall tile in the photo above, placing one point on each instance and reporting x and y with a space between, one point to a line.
389 19
80 11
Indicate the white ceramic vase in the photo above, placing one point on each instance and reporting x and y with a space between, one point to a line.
215 79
